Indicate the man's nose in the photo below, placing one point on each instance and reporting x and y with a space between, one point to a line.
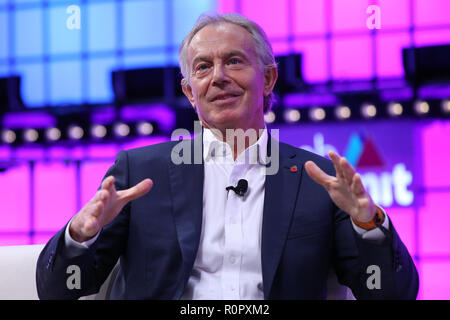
219 74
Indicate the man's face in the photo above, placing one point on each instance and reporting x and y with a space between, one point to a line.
227 86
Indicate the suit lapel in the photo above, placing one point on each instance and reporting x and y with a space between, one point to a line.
281 190
186 181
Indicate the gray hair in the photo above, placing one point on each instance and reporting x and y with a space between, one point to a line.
263 49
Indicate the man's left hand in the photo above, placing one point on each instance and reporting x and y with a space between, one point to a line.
345 189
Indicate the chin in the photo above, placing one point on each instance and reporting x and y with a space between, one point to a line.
228 117
227 124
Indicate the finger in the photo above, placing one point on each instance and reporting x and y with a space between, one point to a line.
108 183
335 158
317 174
99 196
102 195
357 186
137 191
347 170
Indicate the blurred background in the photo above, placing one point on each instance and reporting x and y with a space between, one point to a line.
81 80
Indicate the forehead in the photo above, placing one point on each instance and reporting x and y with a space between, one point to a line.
218 39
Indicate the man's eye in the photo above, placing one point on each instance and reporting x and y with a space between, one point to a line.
202 67
234 61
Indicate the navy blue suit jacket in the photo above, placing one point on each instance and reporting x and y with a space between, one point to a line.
157 236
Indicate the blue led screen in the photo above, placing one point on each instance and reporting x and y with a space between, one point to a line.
65 50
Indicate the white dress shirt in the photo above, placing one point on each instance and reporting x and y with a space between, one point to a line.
228 261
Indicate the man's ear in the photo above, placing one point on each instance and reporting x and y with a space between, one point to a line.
270 78
187 90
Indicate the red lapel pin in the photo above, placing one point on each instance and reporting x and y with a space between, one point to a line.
293 169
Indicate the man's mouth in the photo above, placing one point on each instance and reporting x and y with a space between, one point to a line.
224 97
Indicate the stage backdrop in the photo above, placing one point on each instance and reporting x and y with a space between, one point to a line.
332 35
404 164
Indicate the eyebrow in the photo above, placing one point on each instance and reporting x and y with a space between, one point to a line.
225 56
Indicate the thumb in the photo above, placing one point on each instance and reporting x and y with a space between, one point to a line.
137 191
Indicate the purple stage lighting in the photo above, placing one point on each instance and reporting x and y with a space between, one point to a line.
98 131
317 114
8 136
343 112
395 109
422 107
270 117
368 110
445 105
30 135
121 130
75 132
292 115
145 128
53 134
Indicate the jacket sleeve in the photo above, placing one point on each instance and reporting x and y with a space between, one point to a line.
60 275
373 270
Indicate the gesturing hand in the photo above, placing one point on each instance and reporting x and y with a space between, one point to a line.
104 207
346 189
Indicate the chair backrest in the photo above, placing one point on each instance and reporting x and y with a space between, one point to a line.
18 277
18 272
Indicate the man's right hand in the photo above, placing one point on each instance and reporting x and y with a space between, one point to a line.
104 207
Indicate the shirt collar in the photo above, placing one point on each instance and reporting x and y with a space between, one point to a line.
215 150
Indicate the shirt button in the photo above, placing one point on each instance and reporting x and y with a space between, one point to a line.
232 259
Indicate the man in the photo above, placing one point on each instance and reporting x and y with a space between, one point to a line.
192 237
